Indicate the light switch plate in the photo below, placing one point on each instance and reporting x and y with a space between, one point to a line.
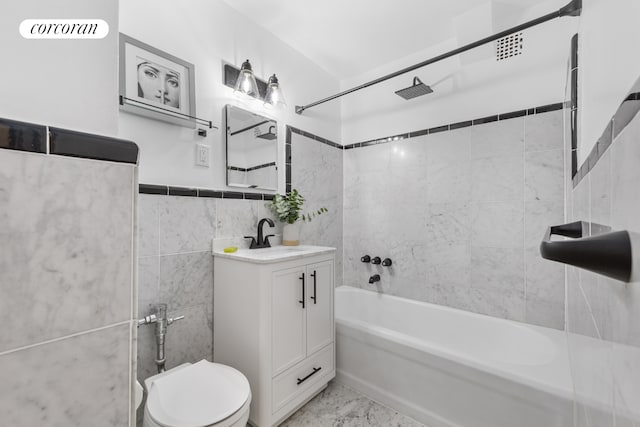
202 155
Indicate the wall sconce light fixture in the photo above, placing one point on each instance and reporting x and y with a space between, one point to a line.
245 84
274 97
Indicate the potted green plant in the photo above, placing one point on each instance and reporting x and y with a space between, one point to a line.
288 209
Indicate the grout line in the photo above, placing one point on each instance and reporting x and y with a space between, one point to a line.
54 340
135 227
588 304
157 265
131 384
584 295
566 183
186 253
524 217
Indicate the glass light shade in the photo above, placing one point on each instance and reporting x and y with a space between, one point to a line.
274 97
246 84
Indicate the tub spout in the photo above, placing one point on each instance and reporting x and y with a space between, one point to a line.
374 278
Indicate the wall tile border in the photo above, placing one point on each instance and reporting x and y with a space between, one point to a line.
314 137
290 130
287 159
23 136
628 109
458 125
66 142
573 104
170 190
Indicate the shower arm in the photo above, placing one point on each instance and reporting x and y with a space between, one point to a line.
572 9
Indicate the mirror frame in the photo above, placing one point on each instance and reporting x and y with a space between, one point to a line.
227 141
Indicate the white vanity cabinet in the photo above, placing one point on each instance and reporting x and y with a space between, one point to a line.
273 321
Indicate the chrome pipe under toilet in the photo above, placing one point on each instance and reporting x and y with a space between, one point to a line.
161 321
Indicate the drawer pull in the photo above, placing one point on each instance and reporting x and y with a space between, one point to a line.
300 381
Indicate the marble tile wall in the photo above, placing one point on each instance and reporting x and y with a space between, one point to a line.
603 315
66 280
176 268
316 172
461 214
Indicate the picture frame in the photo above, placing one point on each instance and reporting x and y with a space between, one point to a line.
156 84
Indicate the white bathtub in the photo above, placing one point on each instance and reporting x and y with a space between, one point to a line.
447 367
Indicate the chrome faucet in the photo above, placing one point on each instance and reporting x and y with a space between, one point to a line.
374 278
162 321
261 242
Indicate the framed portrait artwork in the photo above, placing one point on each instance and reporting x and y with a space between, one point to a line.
156 84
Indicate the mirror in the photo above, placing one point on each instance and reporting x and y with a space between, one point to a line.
252 142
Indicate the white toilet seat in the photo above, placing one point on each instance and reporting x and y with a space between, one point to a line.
197 395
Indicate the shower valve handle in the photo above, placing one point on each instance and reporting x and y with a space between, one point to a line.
376 260
387 262
170 320
365 258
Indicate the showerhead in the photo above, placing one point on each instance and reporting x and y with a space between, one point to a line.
417 89
269 135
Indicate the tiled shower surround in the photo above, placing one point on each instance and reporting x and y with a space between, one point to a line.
316 172
604 343
419 201
461 214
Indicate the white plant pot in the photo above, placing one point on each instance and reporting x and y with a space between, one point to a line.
291 234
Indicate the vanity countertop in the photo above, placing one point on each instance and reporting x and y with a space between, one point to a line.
274 254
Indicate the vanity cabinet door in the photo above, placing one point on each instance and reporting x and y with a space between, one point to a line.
288 319
319 306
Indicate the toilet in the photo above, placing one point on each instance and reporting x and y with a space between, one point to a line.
202 394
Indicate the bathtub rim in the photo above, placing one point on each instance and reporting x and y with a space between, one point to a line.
558 338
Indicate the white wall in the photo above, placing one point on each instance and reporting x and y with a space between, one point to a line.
66 83
464 92
206 33
608 64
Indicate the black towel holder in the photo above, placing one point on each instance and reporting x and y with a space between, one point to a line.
608 253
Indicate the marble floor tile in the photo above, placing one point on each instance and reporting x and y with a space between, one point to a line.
339 406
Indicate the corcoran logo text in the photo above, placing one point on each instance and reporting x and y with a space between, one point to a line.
64 29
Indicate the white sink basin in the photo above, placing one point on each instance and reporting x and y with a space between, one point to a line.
274 253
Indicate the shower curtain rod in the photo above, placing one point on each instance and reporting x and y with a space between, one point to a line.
572 9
